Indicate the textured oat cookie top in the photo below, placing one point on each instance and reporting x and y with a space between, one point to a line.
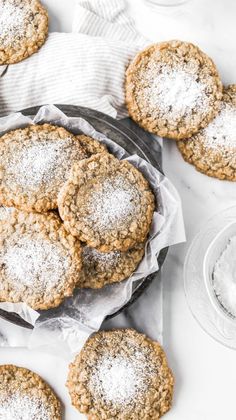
90 145
34 164
25 396
39 260
107 203
173 89
23 29
99 268
121 374
213 150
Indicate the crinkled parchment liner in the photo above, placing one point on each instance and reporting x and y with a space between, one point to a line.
65 329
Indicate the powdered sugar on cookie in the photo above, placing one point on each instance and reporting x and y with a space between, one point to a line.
176 92
121 374
114 203
105 259
173 89
120 380
35 162
221 132
23 407
12 21
35 263
40 162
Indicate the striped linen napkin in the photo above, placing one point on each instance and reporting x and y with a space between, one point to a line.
85 67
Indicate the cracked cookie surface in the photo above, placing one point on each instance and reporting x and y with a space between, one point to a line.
213 150
24 395
91 146
121 374
39 260
107 203
101 268
173 89
24 29
34 164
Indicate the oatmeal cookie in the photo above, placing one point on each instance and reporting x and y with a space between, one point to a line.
34 164
91 146
107 203
121 375
24 29
99 268
173 89
25 395
213 150
39 260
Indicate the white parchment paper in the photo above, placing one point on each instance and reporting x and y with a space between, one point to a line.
64 330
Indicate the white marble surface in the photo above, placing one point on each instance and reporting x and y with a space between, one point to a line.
205 371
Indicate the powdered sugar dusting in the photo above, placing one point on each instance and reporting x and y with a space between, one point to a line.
35 263
23 407
221 132
5 212
175 92
121 379
114 204
105 260
12 21
40 162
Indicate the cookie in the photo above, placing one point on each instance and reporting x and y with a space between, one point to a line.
39 260
121 375
91 146
173 89
213 150
107 203
25 396
24 29
34 164
99 268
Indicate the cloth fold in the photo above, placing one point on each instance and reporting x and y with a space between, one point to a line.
106 19
86 67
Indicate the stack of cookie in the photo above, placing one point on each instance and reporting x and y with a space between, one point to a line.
72 215
174 90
